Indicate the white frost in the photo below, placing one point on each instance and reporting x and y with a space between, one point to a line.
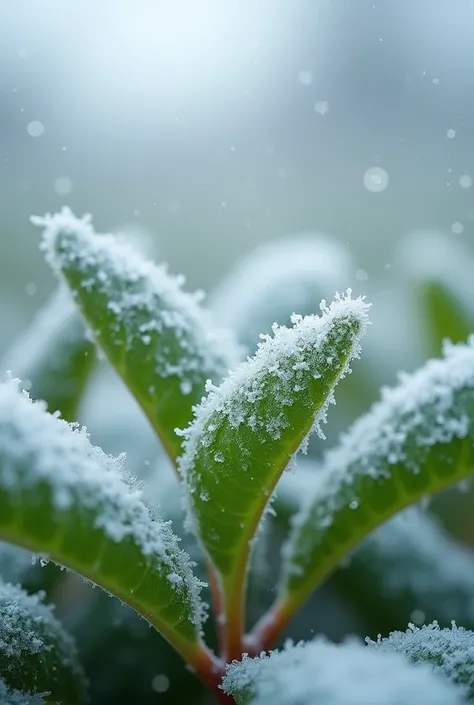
350 674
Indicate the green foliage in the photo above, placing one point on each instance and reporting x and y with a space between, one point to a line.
54 357
243 425
36 655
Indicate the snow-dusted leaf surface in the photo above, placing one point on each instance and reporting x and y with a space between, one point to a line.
279 279
248 430
418 439
61 496
449 652
36 654
11 696
54 358
410 563
157 336
349 674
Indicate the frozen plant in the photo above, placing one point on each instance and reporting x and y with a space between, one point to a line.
230 429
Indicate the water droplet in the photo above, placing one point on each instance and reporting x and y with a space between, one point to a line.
31 288
417 617
465 181
63 185
362 275
354 504
321 107
435 81
375 179
305 77
457 227
451 134
160 683
35 128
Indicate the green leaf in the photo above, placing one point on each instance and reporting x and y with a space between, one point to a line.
440 273
417 440
53 358
63 497
409 563
36 654
157 336
247 431
449 652
330 674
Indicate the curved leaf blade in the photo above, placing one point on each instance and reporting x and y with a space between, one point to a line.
417 440
348 674
54 356
449 652
247 431
157 336
36 654
62 497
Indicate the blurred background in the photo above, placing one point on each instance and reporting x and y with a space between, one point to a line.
212 126
273 152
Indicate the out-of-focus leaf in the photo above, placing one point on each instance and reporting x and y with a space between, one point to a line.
348 674
54 358
36 654
449 652
159 338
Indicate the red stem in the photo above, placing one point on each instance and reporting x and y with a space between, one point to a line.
218 606
211 671
267 631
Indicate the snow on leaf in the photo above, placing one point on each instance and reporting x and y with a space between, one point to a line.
35 652
449 652
348 674
418 439
247 430
158 337
54 357
60 495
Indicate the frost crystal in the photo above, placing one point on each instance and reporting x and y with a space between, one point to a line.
10 696
450 652
350 674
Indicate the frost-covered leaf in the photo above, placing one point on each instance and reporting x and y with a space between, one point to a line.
54 358
11 696
63 497
410 564
158 337
278 279
418 439
36 654
247 430
449 652
349 674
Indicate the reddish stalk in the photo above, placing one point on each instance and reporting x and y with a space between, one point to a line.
218 607
210 670
267 631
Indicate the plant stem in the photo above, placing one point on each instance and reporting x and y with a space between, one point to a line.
210 670
234 591
268 630
218 606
